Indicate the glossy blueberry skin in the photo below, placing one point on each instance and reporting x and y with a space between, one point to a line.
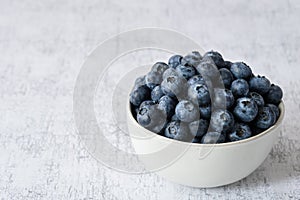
167 105
240 70
259 84
156 93
274 95
226 77
186 71
196 79
174 86
174 61
192 59
205 111
239 88
241 131
178 131
159 67
199 94
245 110
265 118
222 120
186 111
259 100
139 94
198 128
213 138
223 98
275 109
216 57
153 79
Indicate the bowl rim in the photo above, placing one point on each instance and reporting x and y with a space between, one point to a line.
250 139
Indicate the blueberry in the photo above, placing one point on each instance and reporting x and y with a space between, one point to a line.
226 76
275 109
259 100
222 120
192 59
139 94
227 64
186 111
196 79
170 72
156 93
151 118
265 118
178 131
196 140
213 138
239 88
274 95
245 109
208 69
216 57
174 86
223 98
205 111
140 81
259 84
159 67
198 128
174 118
186 71
256 131
240 70
174 61
147 103
241 131
167 105
153 79
199 94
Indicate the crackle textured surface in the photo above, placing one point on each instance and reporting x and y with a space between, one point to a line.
42 47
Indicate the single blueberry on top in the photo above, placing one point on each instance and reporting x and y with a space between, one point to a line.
178 131
240 70
174 61
223 98
159 67
226 77
205 111
216 57
199 94
239 88
186 71
275 109
186 111
259 84
222 120
156 93
153 79
196 79
139 94
265 118
192 59
174 86
245 109
198 128
213 138
259 100
167 105
241 131
274 95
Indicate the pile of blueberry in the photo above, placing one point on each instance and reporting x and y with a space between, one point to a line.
204 99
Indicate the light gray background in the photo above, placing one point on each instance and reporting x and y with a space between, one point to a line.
42 47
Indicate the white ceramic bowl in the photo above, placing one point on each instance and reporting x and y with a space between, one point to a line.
202 165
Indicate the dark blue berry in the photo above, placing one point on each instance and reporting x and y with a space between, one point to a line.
186 71
153 79
265 118
140 81
178 131
274 95
174 61
256 131
241 131
167 105
213 138
198 128
226 77
139 94
192 59
259 100
223 98
196 79
227 64
239 88
245 109
174 86
259 84
186 111
240 70
275 109
156 93
159 67
199 94
221 120
216 57
196 140
205 111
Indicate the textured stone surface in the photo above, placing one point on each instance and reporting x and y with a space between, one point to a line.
42 47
